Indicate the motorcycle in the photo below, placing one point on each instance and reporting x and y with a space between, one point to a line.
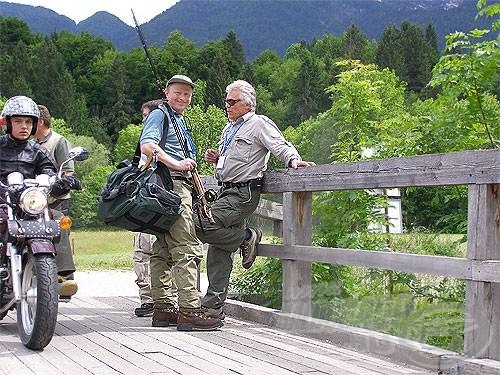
28 271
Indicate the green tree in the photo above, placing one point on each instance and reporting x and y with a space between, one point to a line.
12 31
355 45
419 57
97 80
16 70
469 71
205 127
126 143
79 51
118 106
214 69
237 54
389 50
52 83
307 91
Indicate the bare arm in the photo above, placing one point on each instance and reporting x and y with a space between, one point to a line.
183 165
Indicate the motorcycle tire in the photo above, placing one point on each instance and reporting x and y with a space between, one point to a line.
37 310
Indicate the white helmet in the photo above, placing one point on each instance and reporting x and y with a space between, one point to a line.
20 106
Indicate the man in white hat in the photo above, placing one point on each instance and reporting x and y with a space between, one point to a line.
179 249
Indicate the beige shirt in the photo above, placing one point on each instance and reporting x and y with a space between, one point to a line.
245 145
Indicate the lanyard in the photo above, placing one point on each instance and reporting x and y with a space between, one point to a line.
229 137
190 144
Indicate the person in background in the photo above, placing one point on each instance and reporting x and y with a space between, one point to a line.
240 161
143 245
58 147
178 251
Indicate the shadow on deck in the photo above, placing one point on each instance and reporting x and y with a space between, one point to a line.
100 335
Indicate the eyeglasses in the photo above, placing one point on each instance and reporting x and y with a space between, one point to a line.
231 102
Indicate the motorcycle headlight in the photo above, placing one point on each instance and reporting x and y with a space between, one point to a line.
33 201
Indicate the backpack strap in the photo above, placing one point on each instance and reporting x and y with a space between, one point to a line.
137 155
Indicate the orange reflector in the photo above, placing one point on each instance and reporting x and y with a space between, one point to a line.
65 222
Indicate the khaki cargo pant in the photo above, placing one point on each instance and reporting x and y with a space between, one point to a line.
178 252
143 247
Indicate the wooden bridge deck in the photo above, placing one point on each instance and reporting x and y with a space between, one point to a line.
100 335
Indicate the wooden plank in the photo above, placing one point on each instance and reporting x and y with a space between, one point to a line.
297 229
263 355
108 333
181 347
310 357
348 355
10 363
486 270
417 263
98 346
60 353
178 367
269 210
482 301
456 168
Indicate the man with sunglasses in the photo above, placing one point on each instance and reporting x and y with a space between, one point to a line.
240 161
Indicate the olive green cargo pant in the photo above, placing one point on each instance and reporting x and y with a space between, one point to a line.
232 207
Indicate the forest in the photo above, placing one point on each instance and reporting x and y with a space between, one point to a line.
333 97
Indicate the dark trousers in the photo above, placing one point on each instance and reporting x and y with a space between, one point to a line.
64 256
230 210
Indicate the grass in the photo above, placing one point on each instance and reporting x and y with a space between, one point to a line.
102 250
112 250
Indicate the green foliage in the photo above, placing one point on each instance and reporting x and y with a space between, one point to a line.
443 209
126 143
263 280
342 213
205 127
99 155
84 203
470 71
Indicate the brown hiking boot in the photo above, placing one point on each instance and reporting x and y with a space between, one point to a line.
197 320
249 248
214 313
164 317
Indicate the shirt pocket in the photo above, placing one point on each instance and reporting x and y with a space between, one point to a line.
242 148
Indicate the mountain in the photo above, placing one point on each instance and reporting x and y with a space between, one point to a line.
39 19
111 28
261 24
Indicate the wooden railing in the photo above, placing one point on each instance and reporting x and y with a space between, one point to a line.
480 170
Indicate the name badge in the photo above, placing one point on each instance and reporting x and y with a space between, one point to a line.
220 162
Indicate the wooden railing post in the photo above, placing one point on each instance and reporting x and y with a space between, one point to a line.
297 226
482 301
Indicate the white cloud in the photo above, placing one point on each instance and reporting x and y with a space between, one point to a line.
79 10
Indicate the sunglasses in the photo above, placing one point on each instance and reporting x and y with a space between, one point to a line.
231 102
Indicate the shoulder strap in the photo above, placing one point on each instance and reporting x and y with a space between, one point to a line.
137 154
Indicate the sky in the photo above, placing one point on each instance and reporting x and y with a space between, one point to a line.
78 10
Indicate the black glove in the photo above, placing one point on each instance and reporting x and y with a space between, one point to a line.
72 182
64 185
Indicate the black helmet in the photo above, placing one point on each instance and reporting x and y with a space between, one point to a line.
20 106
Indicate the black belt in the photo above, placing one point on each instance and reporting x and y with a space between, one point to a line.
254 184
181 178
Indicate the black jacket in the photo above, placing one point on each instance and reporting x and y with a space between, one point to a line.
26 157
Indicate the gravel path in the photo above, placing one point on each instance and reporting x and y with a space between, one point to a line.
113 283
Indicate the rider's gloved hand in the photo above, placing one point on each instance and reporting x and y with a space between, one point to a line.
63 186
72 182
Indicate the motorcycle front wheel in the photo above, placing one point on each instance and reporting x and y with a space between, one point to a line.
37 309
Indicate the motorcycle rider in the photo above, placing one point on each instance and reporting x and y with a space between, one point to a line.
19 154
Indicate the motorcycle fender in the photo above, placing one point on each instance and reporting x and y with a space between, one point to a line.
40 246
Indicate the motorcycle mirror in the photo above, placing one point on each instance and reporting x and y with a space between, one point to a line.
79 153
